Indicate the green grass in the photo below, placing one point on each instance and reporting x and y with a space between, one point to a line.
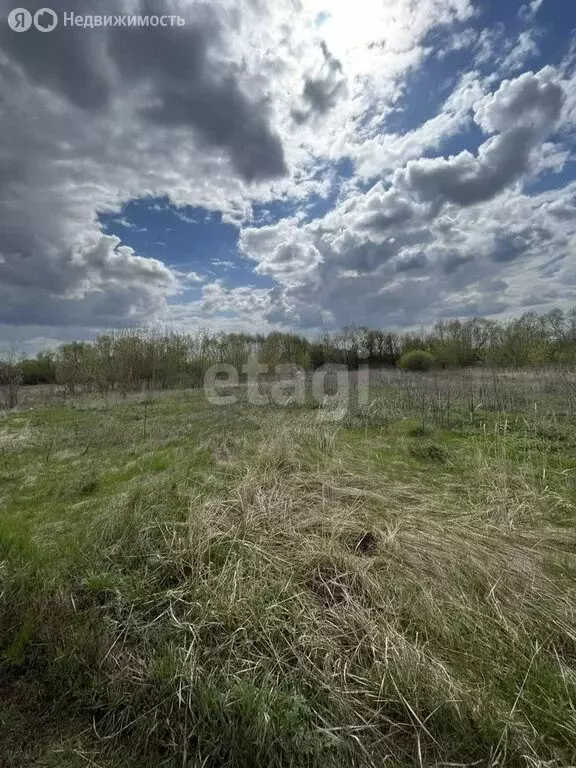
188 585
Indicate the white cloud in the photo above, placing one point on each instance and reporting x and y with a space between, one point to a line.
528 11
516 58
459 42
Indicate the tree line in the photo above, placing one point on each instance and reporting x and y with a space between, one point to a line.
130 360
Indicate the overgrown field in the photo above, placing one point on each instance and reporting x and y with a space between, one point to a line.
184 584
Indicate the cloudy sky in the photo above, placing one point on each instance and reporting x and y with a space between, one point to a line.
286 164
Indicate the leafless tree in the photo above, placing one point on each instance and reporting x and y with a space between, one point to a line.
10 376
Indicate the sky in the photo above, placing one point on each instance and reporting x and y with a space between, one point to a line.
294 165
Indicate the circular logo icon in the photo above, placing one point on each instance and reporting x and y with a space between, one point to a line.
45 20
19 19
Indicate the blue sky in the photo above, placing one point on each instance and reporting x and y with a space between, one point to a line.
301 168
190 239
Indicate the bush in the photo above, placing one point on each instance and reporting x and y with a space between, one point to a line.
429 452
417 360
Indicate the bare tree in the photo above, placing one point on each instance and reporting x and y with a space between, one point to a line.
10 376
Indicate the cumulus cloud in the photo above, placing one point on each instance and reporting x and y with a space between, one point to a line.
522 112
529 100
444 236
381 209
283 252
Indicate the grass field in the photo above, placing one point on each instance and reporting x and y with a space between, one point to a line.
190 585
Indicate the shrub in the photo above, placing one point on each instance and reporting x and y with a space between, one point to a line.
417 360
429 452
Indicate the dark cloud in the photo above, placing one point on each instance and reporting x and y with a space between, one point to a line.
185 86
188 89
352 252
69 61
465 180
535 299
414 261
509 247
321 93
476 308
453 261
553 266
564 211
